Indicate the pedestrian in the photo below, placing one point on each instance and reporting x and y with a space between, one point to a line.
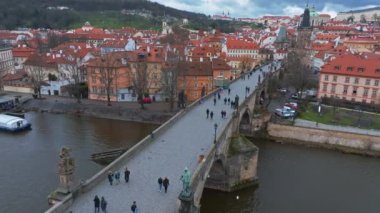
103 205
222 113
211 114
134 207
166 184
117 177
96 203
229 100
225 114
225 101
110 177
126 174
160 184
214 101
218 96
207 112
229 91
232 104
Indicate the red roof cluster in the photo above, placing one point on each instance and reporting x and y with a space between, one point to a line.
241 44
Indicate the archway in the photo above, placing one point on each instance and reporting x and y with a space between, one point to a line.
245 122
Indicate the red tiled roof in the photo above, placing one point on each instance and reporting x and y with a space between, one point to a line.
369 62
22 52
241 44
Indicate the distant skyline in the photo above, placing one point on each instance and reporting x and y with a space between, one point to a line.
256 8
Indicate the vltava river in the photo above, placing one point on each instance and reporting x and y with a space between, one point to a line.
28 160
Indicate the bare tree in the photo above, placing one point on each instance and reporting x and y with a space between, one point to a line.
298 72
107 67
38 76
74 71
169 79
245 63
363 19
140 78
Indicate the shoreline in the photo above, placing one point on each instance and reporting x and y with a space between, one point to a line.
155 114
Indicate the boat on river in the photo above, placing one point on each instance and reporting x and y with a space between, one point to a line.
13 123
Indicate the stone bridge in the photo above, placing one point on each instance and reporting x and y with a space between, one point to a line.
218 158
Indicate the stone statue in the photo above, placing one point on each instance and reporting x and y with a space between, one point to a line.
186 178
66 167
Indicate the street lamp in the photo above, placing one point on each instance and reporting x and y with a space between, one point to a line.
215 128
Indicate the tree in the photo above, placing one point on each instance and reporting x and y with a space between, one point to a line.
376 18
75 75
140 78
245 63
107 68
38 76
363 19
169 79
298 72
54 39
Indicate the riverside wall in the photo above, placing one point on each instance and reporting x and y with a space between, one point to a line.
343 141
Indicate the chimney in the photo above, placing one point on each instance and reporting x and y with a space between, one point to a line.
201 59
148 49
190 59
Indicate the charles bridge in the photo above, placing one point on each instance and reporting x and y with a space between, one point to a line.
212 149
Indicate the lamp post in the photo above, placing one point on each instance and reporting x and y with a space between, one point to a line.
215 128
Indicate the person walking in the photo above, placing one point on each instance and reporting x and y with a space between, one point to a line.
166 184
134 207
126 174
222 113
229 91
96 203
160 184
214 101
110 177
103 205
229 101
218 96
225 101
211 114
207 112
117 177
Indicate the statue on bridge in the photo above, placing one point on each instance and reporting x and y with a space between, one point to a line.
186 178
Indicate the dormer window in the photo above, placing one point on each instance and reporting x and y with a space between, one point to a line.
337 68
350 69
360 69
377 71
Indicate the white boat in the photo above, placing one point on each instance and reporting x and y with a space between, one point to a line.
13 124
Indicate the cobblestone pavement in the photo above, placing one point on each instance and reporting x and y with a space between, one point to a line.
168 155
312 124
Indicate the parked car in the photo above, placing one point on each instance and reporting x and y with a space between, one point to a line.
146 100
283 90
285 112
292 105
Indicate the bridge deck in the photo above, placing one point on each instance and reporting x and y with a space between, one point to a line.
168 155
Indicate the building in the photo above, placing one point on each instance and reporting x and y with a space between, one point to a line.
6 60
352 77
193 77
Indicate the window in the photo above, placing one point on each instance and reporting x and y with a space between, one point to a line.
335 78
195 84
360 69
326 77
333 87
94 90
356 81
347 80
365 93
374 93
337 68
355 91
376 83
367 81
324 87
350 69
195 94
377 71
94 79
345 89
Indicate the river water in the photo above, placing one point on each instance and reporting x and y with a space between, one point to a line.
28 160
296 179
292 178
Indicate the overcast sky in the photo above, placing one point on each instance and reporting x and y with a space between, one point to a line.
255 8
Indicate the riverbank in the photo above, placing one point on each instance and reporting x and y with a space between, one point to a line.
155 113
326 136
